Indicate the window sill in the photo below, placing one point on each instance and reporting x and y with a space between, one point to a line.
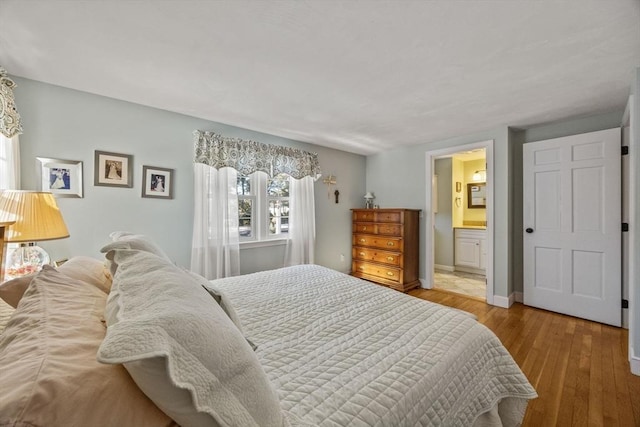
262 243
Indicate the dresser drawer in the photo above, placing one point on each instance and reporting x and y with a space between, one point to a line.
384 257
365 227
363 216
389 243
382 271
389 229
388 217
377 228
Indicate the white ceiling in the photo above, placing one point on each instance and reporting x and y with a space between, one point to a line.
362 76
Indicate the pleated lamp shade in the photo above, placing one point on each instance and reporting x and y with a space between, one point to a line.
36 216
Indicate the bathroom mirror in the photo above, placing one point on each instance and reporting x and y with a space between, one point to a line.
477 195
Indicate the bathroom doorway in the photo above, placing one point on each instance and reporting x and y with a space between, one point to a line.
459 226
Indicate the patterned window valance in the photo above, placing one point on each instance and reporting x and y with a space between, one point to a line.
9 118
247 156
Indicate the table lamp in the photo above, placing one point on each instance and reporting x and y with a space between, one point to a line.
368 199
37 218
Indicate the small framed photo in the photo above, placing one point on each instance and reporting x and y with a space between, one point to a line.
157 182
113 169
61 177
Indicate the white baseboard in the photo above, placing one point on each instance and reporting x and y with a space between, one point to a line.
504 302
449 268
470 270
519 297
634 361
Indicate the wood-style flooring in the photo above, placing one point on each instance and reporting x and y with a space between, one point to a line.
579 368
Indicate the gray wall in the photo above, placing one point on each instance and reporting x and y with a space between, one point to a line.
68 124
443 224
406 186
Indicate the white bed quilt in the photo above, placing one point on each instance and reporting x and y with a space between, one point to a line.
344 352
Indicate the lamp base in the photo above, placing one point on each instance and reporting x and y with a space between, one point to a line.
26 259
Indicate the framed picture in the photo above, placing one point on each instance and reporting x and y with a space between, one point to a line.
113 169
61 177
157 183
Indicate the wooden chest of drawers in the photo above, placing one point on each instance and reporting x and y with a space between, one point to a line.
385 247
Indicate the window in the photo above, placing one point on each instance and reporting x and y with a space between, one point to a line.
263 206
246 202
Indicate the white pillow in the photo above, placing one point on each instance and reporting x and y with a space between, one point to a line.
126 240
12 290
85 269
89 270
223 301
49 375
181 349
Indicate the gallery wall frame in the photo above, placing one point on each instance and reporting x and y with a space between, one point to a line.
113 169
157 182
61 177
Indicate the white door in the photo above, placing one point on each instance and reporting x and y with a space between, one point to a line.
572 222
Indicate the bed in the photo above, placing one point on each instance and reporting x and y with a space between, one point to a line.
300 346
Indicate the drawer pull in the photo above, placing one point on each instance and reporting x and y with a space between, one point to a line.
390 243
389 258
389 273
364 228
363 240
362 253
361 268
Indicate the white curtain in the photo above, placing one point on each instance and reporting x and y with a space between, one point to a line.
215 251
9 163
302 222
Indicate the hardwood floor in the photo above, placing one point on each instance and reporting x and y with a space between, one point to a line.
579 368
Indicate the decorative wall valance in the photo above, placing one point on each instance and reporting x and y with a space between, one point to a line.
248 156
10 125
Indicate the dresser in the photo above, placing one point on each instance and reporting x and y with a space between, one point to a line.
385 247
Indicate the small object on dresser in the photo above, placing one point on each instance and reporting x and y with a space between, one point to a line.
368 200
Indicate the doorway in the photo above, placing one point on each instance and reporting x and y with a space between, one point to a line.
469 268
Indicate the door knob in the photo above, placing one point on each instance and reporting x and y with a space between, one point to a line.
529 230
